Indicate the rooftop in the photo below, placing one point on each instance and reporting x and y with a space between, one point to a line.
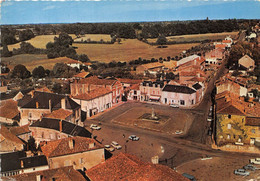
96 81
68 146
8 109
59 114
65 127
128 167
93 94
152 65
57 174
6 134
19 130
129 81
82 74
178 89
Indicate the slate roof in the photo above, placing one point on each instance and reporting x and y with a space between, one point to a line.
57 174
43 98
11 161
178 89
93 94
128 167
197 86
67 127
61 147
35 161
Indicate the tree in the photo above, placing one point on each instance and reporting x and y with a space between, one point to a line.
38 72
5 52
20 71
83 58
161 40
25 35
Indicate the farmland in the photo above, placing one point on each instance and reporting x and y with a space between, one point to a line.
38 41
197 37
33 60
94 37
128 49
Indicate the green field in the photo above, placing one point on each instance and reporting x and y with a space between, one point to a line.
197 37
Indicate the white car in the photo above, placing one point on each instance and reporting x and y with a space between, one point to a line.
255 161
133 138
116 145
242 172
109 148
93 126
174 105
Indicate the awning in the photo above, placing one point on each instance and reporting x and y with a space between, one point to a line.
155 97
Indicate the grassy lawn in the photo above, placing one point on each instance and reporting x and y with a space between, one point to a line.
94 37
38 41
198 37
128 49
33 60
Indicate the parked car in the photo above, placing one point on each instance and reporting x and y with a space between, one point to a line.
133 138
255 161
209 119
109 148
178 132
174 105
241 171
190 177
116 145
249 167
93 126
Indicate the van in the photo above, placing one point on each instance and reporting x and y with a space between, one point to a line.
191 177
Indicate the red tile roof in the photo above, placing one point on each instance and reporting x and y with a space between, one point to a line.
19 130
129 81
43 89
93 94
96 81
59 114
135 87
223 46
6 134
8 109
61 147
59 174
226 41
82 74
128 167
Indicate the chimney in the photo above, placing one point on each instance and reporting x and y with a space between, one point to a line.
50 104
63 103
71 143
92 145
37 105
22 164
60 125
38 177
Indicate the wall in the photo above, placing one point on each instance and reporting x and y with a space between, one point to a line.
10 146
81 160
35 114
34 169
147 90
174 98
6 120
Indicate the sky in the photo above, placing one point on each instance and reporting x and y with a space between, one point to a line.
62 11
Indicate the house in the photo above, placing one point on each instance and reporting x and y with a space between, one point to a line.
234 85
151 90
199 91
9 113
251 36
188 75
95 101
128 167
83 86
82 75
74 63
43 89
20 162
214 57
21 94
34 106
63 173
79 152
134 92
194 58
239 68
247 62
150 68
49 129
126 83
9 142
238 122
178 94
220 46
22 132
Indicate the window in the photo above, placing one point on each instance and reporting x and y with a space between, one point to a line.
80 160
252 130
229 126
165 100
192 101
135 92
30 115
228 136
182 102
229 116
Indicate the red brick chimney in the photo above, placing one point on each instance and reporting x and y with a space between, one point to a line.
37 105
60 125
